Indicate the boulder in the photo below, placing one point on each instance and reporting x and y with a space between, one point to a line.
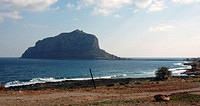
162 97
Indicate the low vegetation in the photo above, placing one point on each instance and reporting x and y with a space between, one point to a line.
186 97
163 73
118 102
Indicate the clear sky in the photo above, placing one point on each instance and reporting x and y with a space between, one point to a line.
126 28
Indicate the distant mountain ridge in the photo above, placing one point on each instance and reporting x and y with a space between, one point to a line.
74 45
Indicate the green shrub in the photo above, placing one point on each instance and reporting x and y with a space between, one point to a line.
189 97
163 73
138 82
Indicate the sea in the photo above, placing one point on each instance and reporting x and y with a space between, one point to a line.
17 71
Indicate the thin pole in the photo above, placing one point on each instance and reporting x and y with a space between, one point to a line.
92 79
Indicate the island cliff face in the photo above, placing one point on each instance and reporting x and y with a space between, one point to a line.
73 45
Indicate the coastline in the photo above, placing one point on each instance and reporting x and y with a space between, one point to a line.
74 84
61 70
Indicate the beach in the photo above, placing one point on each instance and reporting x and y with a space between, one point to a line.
126 91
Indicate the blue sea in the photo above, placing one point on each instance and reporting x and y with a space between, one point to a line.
16 72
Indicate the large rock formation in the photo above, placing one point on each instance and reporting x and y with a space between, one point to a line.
73 45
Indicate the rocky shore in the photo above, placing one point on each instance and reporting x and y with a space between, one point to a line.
195 67
74 84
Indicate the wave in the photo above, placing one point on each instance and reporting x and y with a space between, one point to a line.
179 70
178 64
33 81
149 73
119 75
51 79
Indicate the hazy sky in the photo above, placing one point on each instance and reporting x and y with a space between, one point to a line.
127 28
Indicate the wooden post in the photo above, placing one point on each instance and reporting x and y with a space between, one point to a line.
92 79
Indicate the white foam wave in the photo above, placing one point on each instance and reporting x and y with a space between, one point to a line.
178 72
119 75
186 62
45 80
33 81
150 73
181 69
178 64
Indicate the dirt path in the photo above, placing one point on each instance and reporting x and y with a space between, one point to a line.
78 97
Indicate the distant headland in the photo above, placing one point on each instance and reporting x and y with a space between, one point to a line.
74 45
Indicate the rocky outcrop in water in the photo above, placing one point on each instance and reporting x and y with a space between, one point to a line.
73 45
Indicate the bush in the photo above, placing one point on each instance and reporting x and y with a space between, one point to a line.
163 73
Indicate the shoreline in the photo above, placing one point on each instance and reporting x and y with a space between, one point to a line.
74 84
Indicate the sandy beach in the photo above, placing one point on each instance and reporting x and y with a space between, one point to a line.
130 91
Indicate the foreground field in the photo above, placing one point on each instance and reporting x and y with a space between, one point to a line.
183 92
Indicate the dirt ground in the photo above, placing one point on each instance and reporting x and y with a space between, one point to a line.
183 92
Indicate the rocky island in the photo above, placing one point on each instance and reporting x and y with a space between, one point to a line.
74 45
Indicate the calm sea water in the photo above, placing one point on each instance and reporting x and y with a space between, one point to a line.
15 72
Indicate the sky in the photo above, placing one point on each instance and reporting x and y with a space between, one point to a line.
126 28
